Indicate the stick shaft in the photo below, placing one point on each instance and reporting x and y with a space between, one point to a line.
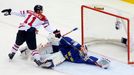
70 31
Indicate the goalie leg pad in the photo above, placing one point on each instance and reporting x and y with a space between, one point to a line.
57 58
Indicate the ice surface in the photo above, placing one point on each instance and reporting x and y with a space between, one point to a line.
63 14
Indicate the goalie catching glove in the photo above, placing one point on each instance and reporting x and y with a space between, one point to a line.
6 12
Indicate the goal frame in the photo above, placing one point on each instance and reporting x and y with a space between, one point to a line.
111 14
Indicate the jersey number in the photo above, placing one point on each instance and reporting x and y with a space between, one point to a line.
31 22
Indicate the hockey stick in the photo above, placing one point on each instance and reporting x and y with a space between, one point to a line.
70 31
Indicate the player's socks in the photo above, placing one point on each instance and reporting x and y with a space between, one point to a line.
13 51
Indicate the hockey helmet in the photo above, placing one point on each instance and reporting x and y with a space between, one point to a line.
57 33
38 8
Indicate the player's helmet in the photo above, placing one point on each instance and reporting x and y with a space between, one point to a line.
57 33
38 8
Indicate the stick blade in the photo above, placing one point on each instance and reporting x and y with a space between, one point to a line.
75 29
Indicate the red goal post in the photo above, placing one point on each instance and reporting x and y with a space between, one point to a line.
83 7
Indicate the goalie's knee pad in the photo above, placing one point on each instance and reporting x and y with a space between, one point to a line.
104 63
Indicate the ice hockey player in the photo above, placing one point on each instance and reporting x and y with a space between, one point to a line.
72 51
27 30
49 52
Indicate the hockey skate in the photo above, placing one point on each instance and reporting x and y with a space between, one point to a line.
11 55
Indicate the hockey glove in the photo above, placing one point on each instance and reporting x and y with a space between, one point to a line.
6 12
57 33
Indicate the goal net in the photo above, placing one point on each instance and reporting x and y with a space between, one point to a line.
109 31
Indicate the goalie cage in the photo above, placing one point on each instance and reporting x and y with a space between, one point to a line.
106 25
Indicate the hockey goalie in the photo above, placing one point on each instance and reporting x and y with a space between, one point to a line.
62 48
